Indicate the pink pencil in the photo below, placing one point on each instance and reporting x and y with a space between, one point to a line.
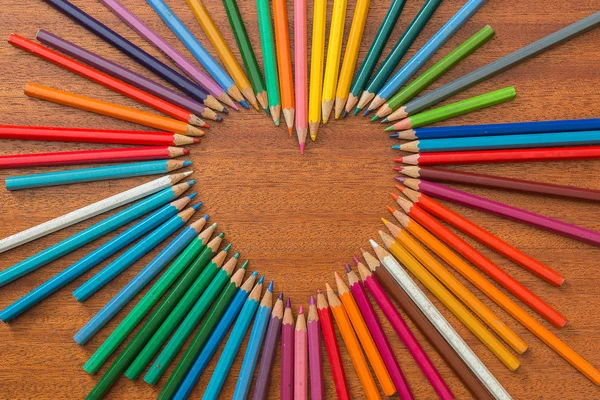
314 353
300 358
287 354
301 71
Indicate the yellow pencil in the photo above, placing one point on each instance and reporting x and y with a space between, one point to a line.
334 52
229 61
439 291
317 59
352 47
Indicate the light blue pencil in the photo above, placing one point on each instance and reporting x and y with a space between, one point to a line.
94 174
197 50
257 336
425 53
128 258
140 280
92 233
215 339
92 259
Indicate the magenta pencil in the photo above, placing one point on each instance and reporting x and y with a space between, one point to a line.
300 358
314 352
301 71
381 341
287 353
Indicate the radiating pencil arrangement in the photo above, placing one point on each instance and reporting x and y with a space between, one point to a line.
199 285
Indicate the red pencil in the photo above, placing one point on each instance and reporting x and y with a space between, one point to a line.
91 156
496 156
105 80
333 351
94 136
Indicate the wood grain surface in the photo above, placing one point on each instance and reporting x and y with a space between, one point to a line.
299 218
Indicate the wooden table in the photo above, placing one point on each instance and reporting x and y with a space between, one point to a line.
299 218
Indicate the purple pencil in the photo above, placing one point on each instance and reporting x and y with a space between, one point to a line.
287 354
183 63
268 353
381 341
504 210
125 75
315 360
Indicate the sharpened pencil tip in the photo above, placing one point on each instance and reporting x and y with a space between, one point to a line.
290 131
225 111
356 111
255 273
356 260
227 247
302 148
288 303
197 206
191 182
362 251
236 108
245 264
373 243
348 269
221 235
389 128
383 121
244 104
367 112
396 147
191 196
312 300
344 113
206 217
336 275
394 196
394 135
400 179
301 310
374 118
261 280
219 118
236 255
319 291
187 163
270 288
313 137
280 297
390 209
385 221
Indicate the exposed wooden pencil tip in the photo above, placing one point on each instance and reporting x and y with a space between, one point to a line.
327 287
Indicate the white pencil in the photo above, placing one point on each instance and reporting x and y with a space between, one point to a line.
441 324
90 211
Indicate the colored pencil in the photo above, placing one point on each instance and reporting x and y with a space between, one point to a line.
364 337
476 377
514 128
414 257
267 40
229 61
138 282
135 53
521 185
120 171
502 64
368 65
510 212
111 110
401 47
286 387
314 352
300 358
257 336
352 345
406 336
222 304
317 62
184 64
248 56
217 336
383 345
134 253
455 109
154 294
301 71
481 235
174 308
334 54
67 275
126 75
235 339
263 376
284 62
89 211
196 49
357 29
425 53
428 77
331 346
105 80
484 264
539 140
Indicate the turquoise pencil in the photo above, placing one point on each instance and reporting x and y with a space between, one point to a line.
119 171
257 336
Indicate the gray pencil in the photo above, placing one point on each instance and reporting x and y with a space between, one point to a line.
501 65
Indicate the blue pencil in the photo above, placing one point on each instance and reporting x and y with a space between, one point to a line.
94 174
215 339
92 233
498 129
197 50
257 336
557 139
140 280
425 53
92 259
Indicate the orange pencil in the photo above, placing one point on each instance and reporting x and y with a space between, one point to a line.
284 62
351 341
366 340
111 110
